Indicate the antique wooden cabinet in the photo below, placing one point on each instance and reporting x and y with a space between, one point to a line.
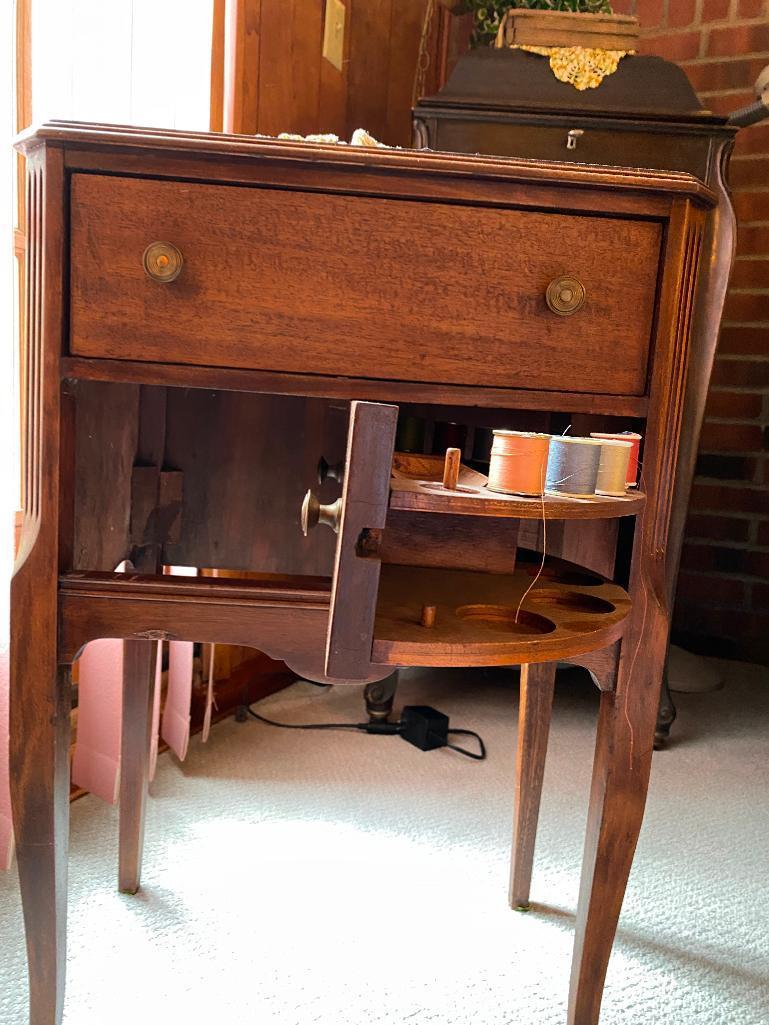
508 103
185 289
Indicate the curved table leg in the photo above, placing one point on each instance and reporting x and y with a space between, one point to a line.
139 660
623 753
40 739
534 714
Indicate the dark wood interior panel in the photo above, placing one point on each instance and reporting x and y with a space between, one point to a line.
247 461
106 437
463 302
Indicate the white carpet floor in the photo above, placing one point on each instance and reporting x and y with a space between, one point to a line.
294 878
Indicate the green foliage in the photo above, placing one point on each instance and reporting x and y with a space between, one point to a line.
489 13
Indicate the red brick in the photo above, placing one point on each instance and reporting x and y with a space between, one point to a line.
743 373
714 76
721 559
751 205
759 597
706 589
731 438
734 405
749 171
725 498
717 528
681 13
750 8
727 466
750 274
712 622
743 307
743 341
681 46
650 12
737 40
752 239
714 10
757 564
725 103
623 6
763 533
752 140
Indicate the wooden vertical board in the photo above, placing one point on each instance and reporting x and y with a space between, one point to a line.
369 67
276 90
332 104
247 461
216 116
370 444
405 34
241 65
304 68
105 444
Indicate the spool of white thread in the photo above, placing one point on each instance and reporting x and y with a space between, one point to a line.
572 466
612 469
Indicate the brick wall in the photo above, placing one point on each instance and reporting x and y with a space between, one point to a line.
723 599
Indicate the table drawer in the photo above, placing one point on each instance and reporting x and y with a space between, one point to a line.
666 151
360 286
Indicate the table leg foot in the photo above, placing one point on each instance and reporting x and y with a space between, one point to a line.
40 739
617 799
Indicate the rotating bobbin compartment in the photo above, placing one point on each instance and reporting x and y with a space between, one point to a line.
428 569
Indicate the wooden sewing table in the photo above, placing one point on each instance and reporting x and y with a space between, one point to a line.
202 311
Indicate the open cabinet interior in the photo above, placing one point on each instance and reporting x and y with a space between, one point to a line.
209 479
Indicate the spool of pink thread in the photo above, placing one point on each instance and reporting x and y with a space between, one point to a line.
635 440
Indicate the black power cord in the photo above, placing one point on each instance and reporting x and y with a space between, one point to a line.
420 725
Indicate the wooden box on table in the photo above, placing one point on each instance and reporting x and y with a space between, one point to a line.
208 315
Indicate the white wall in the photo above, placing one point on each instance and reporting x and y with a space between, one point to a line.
139 62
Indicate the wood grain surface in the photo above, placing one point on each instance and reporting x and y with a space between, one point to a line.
565 613
475 500
462 302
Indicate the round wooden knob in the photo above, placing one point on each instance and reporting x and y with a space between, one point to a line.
162 261
314 513
565 296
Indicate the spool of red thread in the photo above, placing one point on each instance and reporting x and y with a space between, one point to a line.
518 463
635 440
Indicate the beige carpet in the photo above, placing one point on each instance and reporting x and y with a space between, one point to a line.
301 878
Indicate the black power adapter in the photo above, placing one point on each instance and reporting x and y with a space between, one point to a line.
424 727
421 725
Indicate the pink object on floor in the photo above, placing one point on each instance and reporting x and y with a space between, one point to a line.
96 762
175 728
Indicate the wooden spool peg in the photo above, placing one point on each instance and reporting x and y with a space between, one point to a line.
451 468
314 513
428 616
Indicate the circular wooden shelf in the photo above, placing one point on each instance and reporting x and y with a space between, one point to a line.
474 499
568 611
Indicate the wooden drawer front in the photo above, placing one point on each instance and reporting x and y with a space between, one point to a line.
665 151
358 286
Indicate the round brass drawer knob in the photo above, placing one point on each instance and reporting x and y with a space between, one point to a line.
565 296
314 513
162 261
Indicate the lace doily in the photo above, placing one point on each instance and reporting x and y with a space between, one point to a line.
581 66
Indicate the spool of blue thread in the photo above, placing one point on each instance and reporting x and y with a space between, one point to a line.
572 466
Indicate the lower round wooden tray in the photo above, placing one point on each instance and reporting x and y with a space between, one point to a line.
568 611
